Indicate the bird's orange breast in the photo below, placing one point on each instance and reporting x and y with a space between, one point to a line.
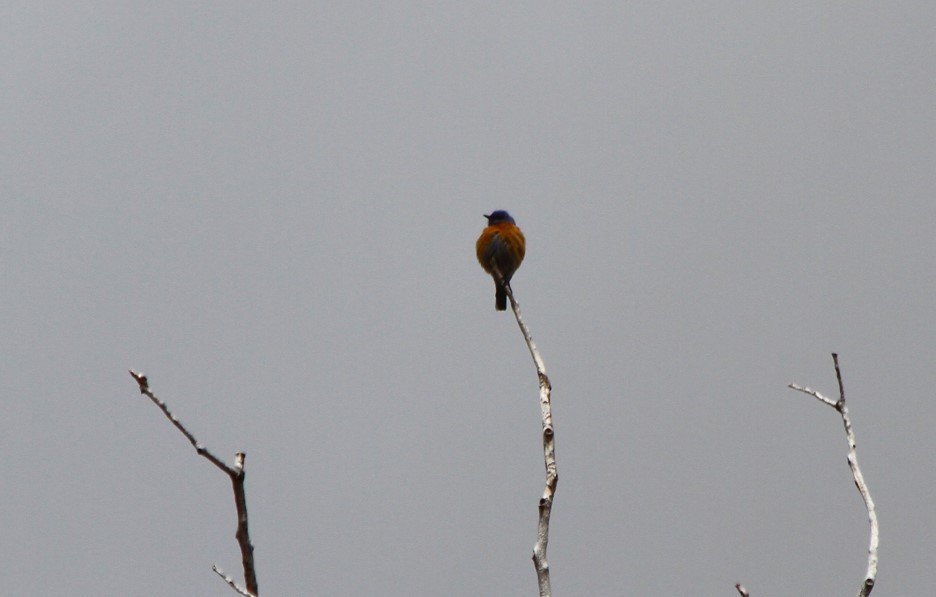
504 245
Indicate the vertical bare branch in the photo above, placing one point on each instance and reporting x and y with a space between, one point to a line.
237 476
549 456
867 584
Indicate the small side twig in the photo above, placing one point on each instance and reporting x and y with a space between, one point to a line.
237 476
867 584
231 582
549 454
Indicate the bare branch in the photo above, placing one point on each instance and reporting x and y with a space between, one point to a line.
243 533
237 476
200 449
230 581
549 454
813 393
867 584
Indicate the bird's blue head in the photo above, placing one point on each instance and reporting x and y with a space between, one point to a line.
499 216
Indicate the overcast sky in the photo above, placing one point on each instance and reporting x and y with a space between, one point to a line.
272 210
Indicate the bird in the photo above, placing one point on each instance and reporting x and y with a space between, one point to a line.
501 246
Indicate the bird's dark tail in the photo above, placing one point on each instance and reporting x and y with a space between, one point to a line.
500 297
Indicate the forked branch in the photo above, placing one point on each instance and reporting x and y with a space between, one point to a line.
839 405
237 476
867 584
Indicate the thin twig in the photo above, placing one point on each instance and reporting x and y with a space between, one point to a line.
237 476
230 581
549 455
867 584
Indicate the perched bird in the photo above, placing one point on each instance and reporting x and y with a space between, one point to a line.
501 245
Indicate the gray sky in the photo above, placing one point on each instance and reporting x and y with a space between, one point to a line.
272 212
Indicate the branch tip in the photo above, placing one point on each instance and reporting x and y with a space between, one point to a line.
141 381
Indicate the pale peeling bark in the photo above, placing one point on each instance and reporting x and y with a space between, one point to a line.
540 561
867 584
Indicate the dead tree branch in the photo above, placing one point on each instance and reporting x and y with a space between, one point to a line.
839 405
237 476
549 455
